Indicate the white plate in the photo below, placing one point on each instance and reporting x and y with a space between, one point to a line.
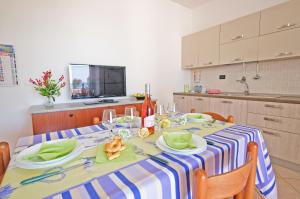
26 164
199 142
204 118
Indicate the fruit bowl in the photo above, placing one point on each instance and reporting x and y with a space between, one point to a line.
139 96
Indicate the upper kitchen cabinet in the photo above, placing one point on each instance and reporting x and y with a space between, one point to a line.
208 47
283 44
245 50
281 17
189 51
242 28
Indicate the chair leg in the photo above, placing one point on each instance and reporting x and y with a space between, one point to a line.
239 196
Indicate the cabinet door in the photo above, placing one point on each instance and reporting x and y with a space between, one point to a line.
208 47
46 122
280 45
226 107
200 104
281 144
183 103
240 51
189 51
242 28
281 17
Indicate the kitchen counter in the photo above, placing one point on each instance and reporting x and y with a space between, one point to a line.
35 109
292 99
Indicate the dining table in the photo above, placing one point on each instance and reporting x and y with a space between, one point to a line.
141 176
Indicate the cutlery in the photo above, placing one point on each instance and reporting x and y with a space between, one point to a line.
86 164
140 151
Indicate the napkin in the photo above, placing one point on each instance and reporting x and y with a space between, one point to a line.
179 139
53 150
126 155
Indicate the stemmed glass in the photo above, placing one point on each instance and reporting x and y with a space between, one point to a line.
130 114
109 120
159 114
171 108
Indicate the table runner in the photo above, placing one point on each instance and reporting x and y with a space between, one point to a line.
138 180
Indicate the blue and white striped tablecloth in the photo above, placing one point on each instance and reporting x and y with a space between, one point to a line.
151 179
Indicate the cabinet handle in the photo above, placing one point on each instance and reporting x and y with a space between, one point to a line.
286 26
199 99
281 54
271 120
273 106
71 115
272 133
208 63
238 37
227 102
182 97
237 59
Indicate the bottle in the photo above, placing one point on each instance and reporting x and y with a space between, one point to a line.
147 114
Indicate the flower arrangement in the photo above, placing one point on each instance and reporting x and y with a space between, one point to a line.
48 87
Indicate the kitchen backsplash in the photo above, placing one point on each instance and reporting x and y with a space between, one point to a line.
278 77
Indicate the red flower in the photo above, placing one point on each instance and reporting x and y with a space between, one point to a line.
61 78
32 81
63 85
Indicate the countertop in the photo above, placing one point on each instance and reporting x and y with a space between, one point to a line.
281 98
35 109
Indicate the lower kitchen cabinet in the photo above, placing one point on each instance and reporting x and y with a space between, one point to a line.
226 107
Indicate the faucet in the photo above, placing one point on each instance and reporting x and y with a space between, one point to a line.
244 81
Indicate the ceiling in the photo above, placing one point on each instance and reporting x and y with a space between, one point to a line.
191 3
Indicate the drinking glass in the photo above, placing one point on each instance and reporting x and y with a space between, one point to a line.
130 114
109 120
160 114
171 109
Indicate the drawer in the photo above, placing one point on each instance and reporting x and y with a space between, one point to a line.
274 122
282 145
275 109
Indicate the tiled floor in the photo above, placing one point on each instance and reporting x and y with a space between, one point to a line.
288 182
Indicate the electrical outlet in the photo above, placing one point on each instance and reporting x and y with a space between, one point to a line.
222 76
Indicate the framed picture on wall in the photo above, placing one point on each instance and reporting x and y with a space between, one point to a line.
8 70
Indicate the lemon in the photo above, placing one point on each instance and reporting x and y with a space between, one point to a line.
165 123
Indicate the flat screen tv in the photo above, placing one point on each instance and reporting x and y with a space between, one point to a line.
97 81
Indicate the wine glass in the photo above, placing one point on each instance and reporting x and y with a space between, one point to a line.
159 114
130 114
109 119
171 109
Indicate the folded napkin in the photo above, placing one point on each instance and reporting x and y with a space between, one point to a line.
53 150
126 155
179 139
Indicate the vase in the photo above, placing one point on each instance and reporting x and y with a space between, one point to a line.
49 102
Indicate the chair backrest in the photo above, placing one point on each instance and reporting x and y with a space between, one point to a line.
216 116
4 158
239 183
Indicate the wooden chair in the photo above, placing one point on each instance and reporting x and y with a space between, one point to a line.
216 116
4 158
239 183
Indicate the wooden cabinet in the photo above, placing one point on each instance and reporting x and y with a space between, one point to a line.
242 28
226 107
240 51
61 120
281 17
282 145
200 104
189 51
275 109
280 45
208 47
183 103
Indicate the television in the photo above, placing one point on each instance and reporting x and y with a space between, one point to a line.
97 81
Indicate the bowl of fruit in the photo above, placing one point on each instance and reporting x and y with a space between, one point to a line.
139 96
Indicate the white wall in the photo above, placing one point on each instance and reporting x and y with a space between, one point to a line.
216 12
143 35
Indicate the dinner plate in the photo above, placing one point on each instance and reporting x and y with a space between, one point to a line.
204 117
27 164
199 142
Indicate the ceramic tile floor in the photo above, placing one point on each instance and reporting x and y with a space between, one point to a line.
288 182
